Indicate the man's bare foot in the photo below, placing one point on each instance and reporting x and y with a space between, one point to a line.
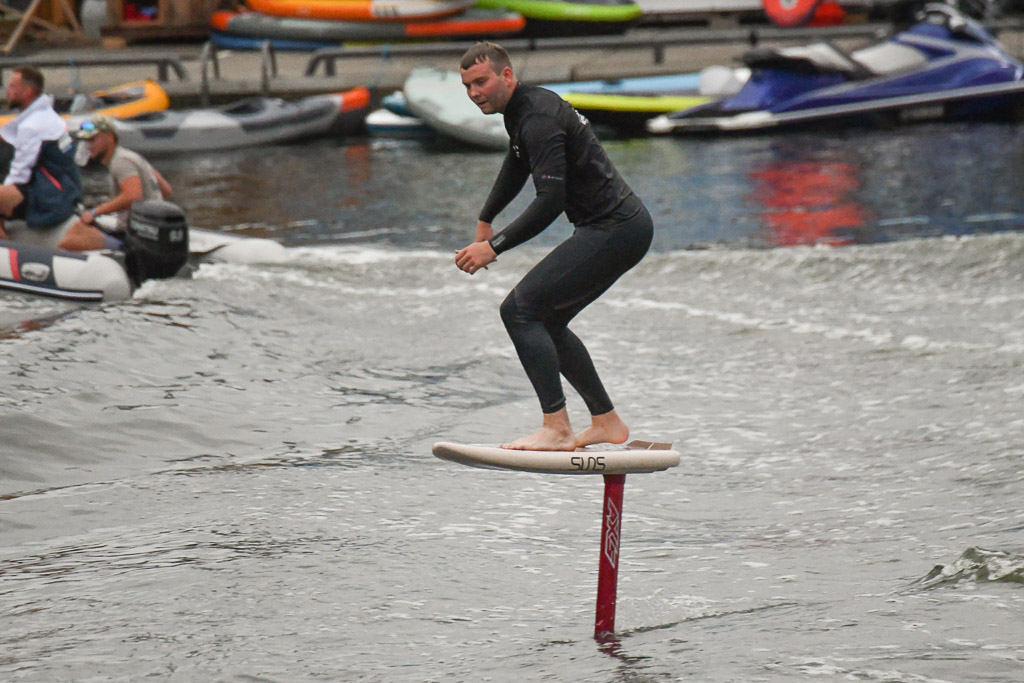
544 439
607 428
555 435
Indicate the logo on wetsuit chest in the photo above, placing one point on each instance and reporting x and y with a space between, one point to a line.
515 150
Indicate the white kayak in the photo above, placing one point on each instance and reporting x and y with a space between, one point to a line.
439 99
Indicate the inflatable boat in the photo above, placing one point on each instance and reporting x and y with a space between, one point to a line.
129 99
361 10
158 245
469 24
155 245
580 17
252 121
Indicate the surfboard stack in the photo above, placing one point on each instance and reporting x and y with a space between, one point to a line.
314 24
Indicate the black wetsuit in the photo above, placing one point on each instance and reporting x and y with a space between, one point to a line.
571 173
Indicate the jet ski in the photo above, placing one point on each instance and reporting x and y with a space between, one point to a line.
946 67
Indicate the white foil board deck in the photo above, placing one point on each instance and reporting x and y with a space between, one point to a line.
634 457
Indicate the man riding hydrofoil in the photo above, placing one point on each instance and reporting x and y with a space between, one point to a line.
571 172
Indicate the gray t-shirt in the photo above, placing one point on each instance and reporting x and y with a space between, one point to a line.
125 164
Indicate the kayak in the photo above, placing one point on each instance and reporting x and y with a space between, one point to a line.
361 10
581 17
252 121
233 42
619 86
129 99
471 23
629 112
628 103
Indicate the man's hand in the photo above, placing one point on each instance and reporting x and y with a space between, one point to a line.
475 256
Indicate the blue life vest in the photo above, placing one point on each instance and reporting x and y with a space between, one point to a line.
55 187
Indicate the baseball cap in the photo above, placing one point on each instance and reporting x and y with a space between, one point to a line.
92 127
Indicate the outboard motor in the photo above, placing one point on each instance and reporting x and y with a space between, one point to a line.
156 242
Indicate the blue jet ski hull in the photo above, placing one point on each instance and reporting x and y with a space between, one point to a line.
945 68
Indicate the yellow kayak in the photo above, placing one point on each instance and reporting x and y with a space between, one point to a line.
628 111
122 101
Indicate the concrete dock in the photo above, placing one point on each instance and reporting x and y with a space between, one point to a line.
195 74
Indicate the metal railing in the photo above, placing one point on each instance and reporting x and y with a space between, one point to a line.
209 56
165 64
655 41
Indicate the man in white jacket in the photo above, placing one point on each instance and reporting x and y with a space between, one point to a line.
43 184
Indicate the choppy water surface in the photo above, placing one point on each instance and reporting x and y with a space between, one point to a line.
229 478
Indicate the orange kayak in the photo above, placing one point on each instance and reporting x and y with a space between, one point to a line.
472 22
361 10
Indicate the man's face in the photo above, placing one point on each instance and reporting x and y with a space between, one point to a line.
99 144
19 93
489 90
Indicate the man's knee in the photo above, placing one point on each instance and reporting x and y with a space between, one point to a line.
509 310
82 237
10 197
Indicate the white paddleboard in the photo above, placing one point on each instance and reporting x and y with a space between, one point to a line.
439 99
634 457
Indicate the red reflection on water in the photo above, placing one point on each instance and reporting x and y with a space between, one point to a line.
808 202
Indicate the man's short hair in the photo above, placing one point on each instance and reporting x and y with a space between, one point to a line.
31 76
482 52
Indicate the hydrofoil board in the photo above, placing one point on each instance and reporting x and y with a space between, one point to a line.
634 457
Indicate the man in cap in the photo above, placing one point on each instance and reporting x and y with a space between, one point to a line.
132 179
43 184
